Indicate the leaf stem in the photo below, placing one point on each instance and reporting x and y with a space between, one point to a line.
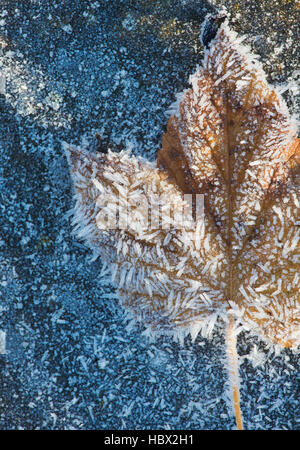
233 371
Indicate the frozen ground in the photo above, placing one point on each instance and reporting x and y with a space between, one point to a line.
67 69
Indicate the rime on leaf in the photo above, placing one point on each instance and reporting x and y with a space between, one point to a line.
231 138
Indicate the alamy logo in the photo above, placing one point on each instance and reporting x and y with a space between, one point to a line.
134 209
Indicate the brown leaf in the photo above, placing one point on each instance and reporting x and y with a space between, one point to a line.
230 139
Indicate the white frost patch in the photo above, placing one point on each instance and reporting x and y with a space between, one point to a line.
256 357
2 342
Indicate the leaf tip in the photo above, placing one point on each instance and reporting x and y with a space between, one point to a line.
210 27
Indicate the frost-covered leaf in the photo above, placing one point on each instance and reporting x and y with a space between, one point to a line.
231 141
231 138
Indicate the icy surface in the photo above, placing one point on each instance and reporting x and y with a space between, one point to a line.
68 357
